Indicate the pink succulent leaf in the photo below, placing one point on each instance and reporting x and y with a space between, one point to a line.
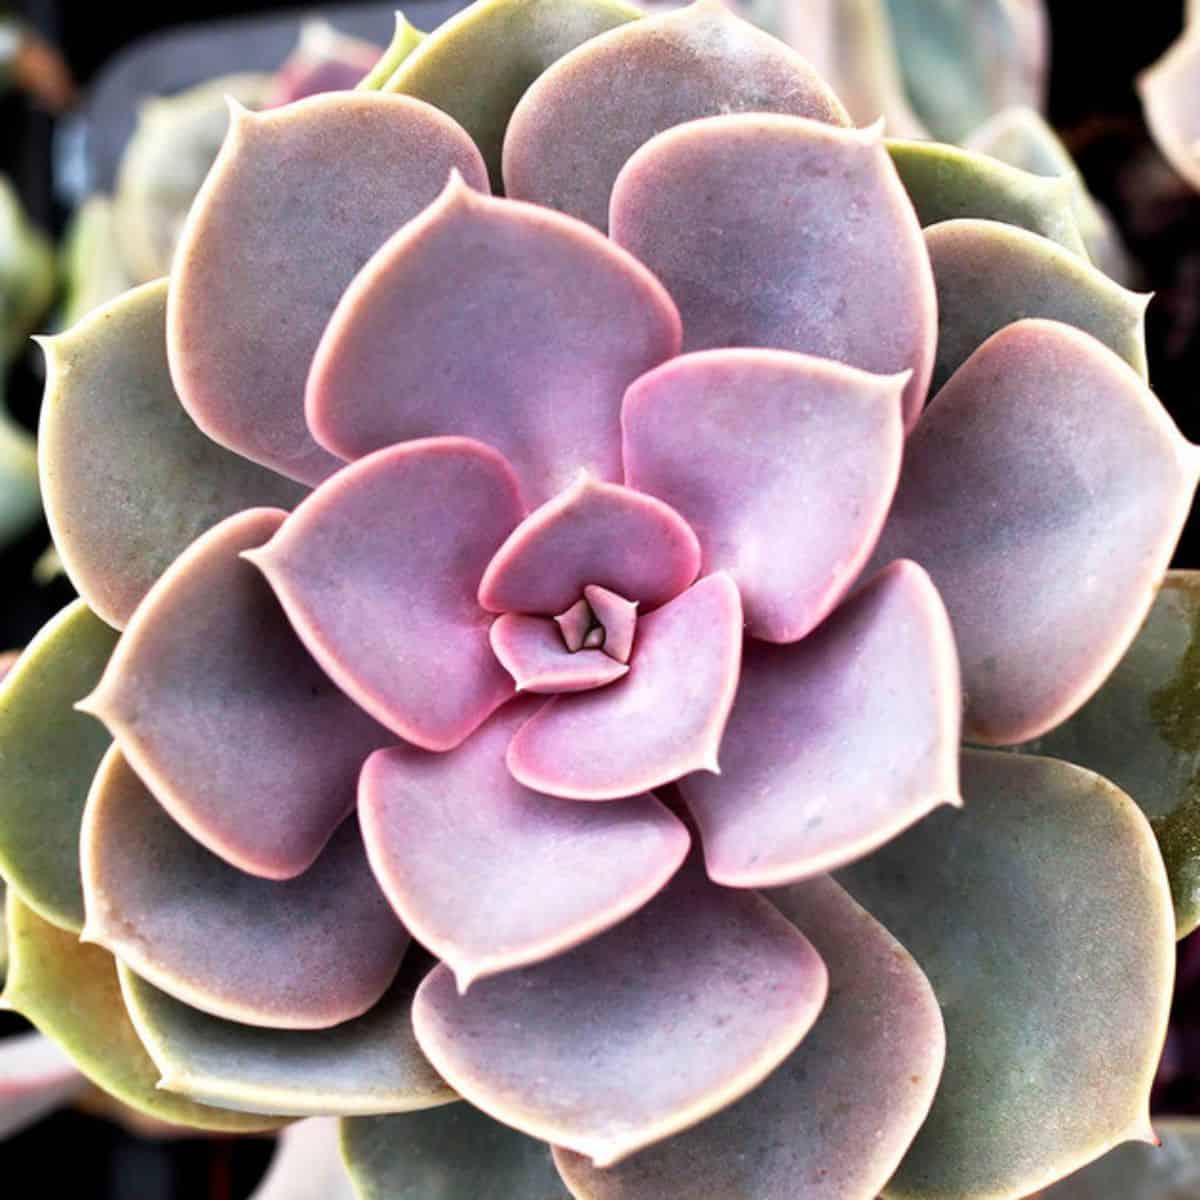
989 274
558 323
746 444
617 618
1168 90
787 233
1108 490
298 199
574 623
662 721
35 1078
127 479
257 754
324 60
545 873
578 124
304 953
641 1032
534 651
369 1064
593 533
378 571
838 743
874 1058
307 1165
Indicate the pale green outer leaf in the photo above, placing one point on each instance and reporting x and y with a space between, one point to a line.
404 41
1142 731
27 273
20 499
69 991
477 65
48 755
1140 1172
93 270
3 933
448 1153
1042 916
371 1064
128 480
945 182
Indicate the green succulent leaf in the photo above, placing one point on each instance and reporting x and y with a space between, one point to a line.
1142 731
20 499
1041 915
48 755
1141 1172
404 41
448 1153
93 270
477 65
27 273
945 182
69 990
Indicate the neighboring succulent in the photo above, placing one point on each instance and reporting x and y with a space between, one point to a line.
457 541
1169 89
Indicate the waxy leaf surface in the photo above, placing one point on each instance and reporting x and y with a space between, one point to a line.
1137 1171
783 232
1106 492
304 953
307 1164
545 873
533 651
1046 1000
834 1120
636 1034
298 200
1168 90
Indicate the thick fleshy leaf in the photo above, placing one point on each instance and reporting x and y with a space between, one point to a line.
35 1078
786 233
592 533
48 755
1137 1171
405 39
833 1121
663 720
1142 731
477 65
93 271
579 123
353 167
575 623
378 571
371 1064
636 1034
450 1153
1168 90
838 743
69 991
616 616
307 1165
533 651
1041 1008
489 875
1050 452
946 182
128 480
746 444
219 708
324 60
989 274
304 953
571 322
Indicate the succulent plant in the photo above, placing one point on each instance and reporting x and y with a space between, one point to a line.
1168 90
515 535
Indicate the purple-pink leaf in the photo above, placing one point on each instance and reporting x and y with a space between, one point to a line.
593 533
299 198
1169 89
535 653
35 1078
663 720
305 953
307 1164
490 875
617 617
571 321
1052 558
378 570
577 125
837 743
782 232
636 1034
574 623
324 60
217 705
737 439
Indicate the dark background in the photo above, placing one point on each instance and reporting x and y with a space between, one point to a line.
1094 107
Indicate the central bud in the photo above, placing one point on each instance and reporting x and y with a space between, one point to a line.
600 620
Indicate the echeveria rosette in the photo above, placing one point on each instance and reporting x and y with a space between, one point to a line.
529 580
